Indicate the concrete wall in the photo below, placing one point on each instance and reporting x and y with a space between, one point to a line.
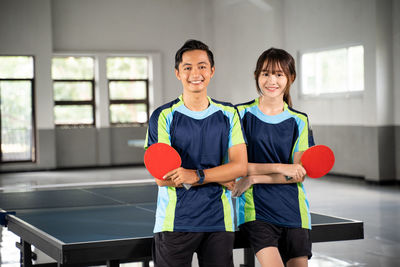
82 147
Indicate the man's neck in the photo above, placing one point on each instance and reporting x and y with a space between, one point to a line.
196 101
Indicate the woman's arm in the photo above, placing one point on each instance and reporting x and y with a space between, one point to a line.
271 173
275 178
291 170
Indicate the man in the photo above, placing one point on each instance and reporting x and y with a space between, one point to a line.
208 136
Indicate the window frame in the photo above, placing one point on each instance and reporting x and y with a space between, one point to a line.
145 101
92 102
329 95
32 80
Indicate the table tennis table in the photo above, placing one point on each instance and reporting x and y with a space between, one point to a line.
113 225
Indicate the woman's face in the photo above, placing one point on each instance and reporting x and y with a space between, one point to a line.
272 82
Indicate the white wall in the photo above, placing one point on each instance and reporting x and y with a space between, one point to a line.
237 31
396 59
319 24
384 63
242 31
369 117
133 25
25 29
396 80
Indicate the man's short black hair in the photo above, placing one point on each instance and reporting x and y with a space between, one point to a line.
193 45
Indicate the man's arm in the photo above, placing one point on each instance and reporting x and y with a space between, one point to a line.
236 167
166 183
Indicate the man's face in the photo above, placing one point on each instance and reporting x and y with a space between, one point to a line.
195 71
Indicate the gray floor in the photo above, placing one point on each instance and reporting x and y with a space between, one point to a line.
377 206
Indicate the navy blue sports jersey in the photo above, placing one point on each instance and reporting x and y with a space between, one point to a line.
202 139
274 139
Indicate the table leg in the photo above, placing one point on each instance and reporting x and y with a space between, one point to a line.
248 258
26 254
113 263
146 262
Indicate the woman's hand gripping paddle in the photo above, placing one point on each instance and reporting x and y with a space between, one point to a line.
318 161
161 158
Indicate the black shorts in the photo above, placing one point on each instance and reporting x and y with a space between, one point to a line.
291 242
172 249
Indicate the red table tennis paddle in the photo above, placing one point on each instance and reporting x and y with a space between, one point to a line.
161 158
318 161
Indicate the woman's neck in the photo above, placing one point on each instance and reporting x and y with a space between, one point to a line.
271 106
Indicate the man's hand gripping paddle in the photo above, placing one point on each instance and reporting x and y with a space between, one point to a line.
318 161
161 158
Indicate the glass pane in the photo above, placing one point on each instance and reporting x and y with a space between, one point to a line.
74 114
356 68
127 90
308 73
128 113
75 68
333 71
16 120
16 67
72 91
127 68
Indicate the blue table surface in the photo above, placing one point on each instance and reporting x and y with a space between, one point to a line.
85 215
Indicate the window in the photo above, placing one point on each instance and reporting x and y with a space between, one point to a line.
16 112
333 71
73 84
128 87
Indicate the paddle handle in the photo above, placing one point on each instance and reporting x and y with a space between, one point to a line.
187 186
288 178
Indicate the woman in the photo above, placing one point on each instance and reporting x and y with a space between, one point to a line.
273 211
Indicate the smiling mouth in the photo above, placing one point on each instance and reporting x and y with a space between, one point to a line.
196 82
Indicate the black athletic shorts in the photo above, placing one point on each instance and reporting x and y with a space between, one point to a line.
291 242
175 249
